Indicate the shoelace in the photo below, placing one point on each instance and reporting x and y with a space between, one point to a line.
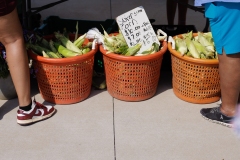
214 110
39 105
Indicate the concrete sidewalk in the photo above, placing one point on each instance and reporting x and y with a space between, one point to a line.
103 128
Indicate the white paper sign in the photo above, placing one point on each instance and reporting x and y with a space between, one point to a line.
136 28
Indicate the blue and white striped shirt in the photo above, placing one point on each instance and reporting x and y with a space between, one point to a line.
201 2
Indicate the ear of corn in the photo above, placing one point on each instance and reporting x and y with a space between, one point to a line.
148 51
153 49
43 41
192 48
121 49
85 50
109 49
45 54
209 46
120 40
64 51
50 54
188 35
200 46
133 50
181 46
111 41
59 55
156 47
202 50
37 48
53 55
51 45
203 56
208 36
88 45
79 41
67 43
189 54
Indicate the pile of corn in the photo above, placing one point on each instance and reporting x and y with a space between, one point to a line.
62 47
117 44
200 46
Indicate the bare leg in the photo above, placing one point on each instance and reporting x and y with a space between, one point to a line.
11 36
229 69
171 10
182 12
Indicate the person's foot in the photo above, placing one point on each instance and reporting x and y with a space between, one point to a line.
216 116
37 113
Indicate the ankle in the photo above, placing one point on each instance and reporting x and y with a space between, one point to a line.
228 112
26 108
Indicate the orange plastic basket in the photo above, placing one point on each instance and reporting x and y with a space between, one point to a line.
64 80
132 78
195 80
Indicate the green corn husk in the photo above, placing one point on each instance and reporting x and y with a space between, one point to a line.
209 46
192 49
156 47
189 54
105 33
53 55
181 46
79 41
109 49
148 51
115 43
202 50
121 49
110 41
59 55
43 42
45 54
153 49
208 36
50 54
85 50
188 35
64 51
51 45
37 48
67 43
203 56
133 50
76 34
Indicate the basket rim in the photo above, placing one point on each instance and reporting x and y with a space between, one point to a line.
189 59
135 58
69 60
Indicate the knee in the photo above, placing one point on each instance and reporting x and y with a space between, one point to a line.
12 39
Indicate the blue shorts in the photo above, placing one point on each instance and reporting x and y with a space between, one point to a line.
224 18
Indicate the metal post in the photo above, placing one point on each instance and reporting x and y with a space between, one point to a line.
29 14
24 14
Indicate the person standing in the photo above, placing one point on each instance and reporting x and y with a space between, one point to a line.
182 11
11 36
224 24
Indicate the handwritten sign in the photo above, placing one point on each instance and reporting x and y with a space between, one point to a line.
136 28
